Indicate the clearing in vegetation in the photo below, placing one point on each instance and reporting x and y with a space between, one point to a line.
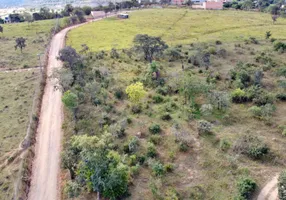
191 120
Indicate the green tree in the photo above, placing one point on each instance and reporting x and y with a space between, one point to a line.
1 29
191 87
101 168
135 92
149 46
87 10
70 100
20 43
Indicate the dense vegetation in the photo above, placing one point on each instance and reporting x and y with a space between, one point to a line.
190 120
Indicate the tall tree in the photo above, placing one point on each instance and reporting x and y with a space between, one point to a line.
20 43
149 46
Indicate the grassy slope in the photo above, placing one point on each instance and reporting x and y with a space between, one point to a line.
204 166
16 101
37 35
177 26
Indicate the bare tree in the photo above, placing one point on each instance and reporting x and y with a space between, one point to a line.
274 18
21 43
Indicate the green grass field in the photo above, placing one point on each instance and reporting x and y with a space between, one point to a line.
16 96
176 26
37 35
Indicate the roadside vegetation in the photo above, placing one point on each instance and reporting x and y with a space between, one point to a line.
172 117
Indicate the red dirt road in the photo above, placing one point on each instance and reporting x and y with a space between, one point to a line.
45 184
46 165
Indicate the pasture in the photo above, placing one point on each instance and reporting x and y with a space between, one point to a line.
37 35
176 26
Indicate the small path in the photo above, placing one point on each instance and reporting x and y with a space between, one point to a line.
270 190
6 70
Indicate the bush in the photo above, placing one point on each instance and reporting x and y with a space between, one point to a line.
158 169
281 96
183 146
253 40
158 99
204 127
169 167
246 187
224 145
155 139
72 189
155 129
263 98
263 112
238 96
162 90
151 150
166 117
136 109
282 186
119 94
251 146
278 45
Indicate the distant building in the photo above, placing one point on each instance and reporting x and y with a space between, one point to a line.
210 5
97 14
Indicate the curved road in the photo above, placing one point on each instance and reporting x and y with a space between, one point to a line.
270 190
46 165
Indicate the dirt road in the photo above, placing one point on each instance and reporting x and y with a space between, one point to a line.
46 166
270 190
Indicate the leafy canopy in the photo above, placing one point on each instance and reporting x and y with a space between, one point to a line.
70 100
135 92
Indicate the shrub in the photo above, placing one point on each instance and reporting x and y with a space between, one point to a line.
183 146
221 53
263 98
224 145
155 129
155 139
246 187
136 109
133 144
141 159
263 112
204 127
158 169
282 186
172 194
206 109
162 90
238 96
272 40
119 94
169 167
218 42
72 189
251 146
253 40
114 54
279 45
158 99
151 150
166 117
